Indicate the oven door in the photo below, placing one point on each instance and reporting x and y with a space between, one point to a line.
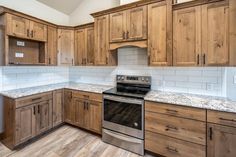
124 115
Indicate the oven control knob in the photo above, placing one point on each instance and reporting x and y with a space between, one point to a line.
147 79
118 78
136 124
122 78
143 79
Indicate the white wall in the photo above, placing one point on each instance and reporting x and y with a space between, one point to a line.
231 86
82 14
37 9
127 1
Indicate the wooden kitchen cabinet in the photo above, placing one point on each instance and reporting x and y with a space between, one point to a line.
65 46
187 36
84 45
102 54
69 108
25 118
58 107
52 46
201 35
25 124
95 116
221 141
80 112
215 34
18 26
23 28
159 21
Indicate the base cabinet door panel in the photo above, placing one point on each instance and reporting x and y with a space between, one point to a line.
80 111
95 114
44 116
69 110
58 108
25 124
221 141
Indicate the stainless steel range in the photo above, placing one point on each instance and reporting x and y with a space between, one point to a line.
123 113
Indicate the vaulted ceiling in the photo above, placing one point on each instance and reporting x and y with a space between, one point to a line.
65 6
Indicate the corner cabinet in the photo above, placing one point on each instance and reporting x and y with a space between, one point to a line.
65 46
159 34
201 35
103 55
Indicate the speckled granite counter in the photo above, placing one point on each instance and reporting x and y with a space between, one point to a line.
41 89
192 100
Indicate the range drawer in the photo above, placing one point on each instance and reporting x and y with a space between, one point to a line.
21 102
88 95
179 111
184 129
171 147
223 118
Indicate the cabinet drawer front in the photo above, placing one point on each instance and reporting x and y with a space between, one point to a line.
21 102
223 118
167 146
184 129
179 111
88 95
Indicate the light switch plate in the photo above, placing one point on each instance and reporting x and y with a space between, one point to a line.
20 43
19 55
234 79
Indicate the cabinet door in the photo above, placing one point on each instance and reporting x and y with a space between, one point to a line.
157 35
95 117
101 40
215 34
118 26
69 111
52 46
38 31
65 47
17 26
221 141
79 112
187 36
80 47
25 124
137 23
44 116
90 46
58 107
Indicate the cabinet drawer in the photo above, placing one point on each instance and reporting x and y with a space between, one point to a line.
179 111
167 146
88 95
21 102
222 118
184 129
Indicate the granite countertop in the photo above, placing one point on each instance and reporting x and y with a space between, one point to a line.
192 100
18 93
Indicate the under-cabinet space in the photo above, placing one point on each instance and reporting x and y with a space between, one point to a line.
26 52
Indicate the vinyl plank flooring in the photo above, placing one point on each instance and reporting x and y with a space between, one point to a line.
68 141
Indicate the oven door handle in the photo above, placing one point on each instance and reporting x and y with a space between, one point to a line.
113 134
123 99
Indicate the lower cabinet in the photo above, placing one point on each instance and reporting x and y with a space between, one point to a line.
87 111
25 118
58 107
69 110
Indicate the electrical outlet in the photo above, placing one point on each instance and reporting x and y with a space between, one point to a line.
234 79
20 43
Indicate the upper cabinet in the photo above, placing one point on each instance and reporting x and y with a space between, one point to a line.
21 27
159 34
201 35
52 46
84 45
124 27
101 31
65 46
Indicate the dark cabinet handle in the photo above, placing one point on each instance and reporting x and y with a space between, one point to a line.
32 34
210 133
28 33
198 59
124 35
230 120
172 149
34 110
169 127
49 61
172 111
204 59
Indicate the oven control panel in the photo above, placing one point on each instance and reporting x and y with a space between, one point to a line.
133 79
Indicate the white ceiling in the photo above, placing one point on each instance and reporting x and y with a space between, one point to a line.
65 6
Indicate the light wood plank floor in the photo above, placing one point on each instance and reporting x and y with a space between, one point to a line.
68 141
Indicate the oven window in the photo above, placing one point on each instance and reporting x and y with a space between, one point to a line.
126 114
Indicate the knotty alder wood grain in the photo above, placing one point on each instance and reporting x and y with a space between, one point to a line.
68 141
52 46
